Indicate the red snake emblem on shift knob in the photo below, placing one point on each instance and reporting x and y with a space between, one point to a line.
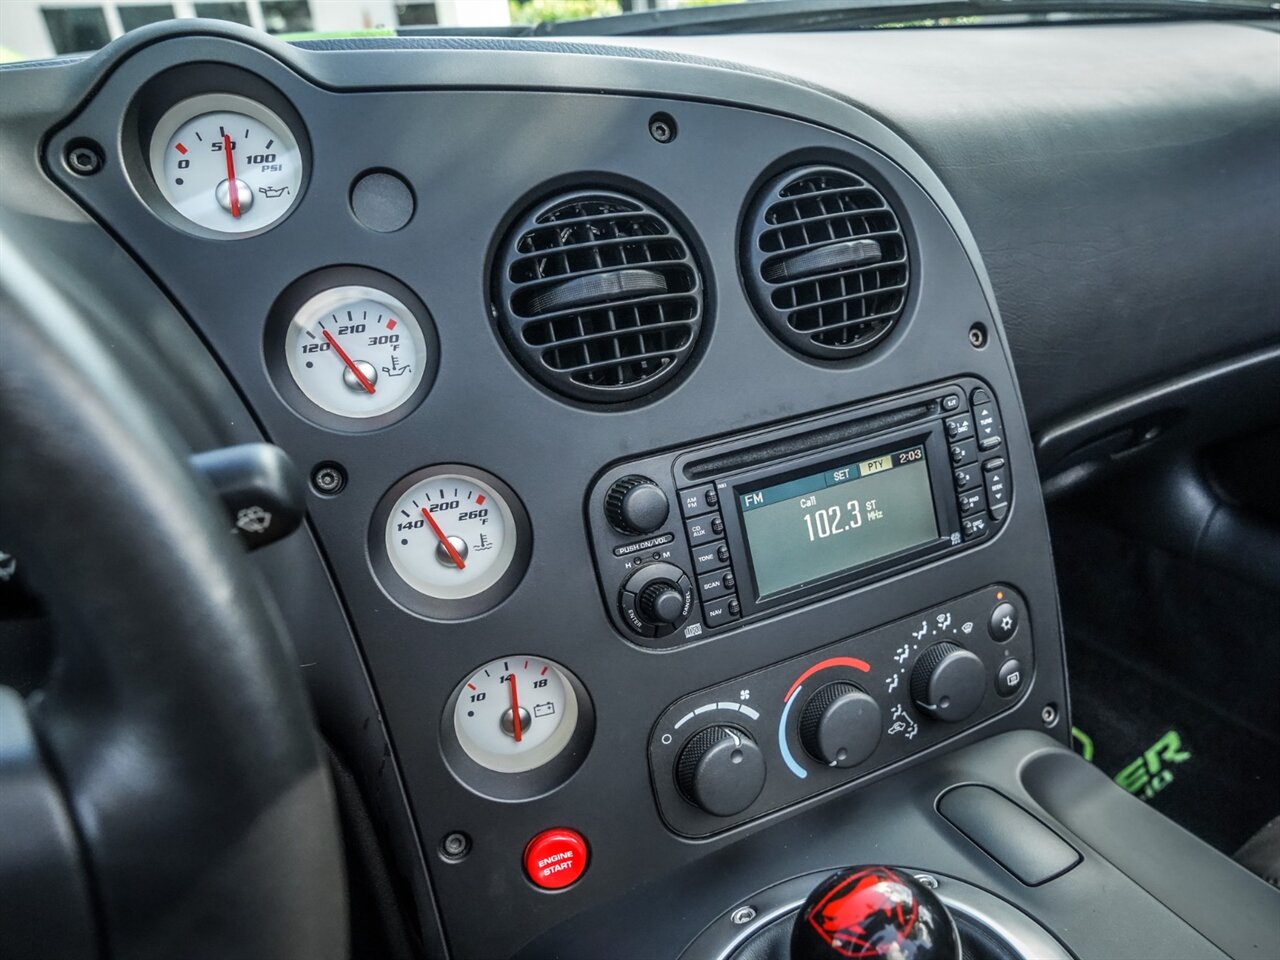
865 913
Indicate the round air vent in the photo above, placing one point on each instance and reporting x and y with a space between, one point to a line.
598 296
825 262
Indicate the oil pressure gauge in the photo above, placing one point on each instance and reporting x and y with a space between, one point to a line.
450 541
226 163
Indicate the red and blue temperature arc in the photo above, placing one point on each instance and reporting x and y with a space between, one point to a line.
791 698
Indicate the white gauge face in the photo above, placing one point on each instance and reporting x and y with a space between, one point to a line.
515 714
202 146
356 351
450 536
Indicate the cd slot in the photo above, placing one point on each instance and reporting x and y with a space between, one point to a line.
799 443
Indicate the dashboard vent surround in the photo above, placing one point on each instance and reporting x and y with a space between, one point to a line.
825 261
598 296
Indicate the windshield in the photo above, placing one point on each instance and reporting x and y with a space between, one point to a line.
37 29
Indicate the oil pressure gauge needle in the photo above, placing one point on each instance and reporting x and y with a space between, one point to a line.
233 188
515 710
453 552
364 381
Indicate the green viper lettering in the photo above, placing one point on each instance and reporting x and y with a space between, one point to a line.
1150 773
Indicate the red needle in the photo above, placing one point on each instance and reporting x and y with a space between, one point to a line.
456 557
233 189
342 355
515 710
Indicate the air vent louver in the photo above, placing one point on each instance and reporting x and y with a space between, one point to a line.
598 296
825 261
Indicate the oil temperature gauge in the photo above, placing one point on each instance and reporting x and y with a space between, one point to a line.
518 714
356 351
455 541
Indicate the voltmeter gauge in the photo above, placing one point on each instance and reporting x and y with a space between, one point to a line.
356 351
455 541
226 163
522 715
515 714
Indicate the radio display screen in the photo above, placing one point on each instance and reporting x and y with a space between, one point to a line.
848 515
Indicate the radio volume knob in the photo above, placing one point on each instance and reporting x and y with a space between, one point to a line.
636 505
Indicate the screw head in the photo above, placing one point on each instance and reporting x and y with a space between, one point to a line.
743 915
328 479
927 881
662 127
978 336
84 158
1049 715
455 845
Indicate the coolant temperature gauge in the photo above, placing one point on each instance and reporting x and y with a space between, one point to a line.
455 539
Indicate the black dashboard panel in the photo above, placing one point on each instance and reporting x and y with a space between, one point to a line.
484 412
482 131
1111 175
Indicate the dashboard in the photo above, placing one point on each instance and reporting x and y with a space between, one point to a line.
669 474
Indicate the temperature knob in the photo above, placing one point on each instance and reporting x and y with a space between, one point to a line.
840 725
636 505
948 682
721 770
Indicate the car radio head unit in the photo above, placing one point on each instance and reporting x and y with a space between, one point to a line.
825 520
705 538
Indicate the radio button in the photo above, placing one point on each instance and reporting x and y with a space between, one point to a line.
702 529
979 396
712 586
719 612
972 502
998 511
997 489
964 453
712 556
696 501
959 428
951 403
974 527
967 477
627 601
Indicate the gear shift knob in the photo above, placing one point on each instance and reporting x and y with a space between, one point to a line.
870 912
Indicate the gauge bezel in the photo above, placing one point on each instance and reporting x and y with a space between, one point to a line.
166 91
457 608
189 109
321 304
528 784
301 292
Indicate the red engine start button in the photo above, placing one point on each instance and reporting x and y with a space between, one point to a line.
555 858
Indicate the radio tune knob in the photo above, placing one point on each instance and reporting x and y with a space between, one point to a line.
948 682
636 505
661 603
840 725
721 770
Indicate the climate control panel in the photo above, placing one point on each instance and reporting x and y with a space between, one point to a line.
760 742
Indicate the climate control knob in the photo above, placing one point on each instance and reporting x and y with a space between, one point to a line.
840 725
948 682
721 770
636 505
